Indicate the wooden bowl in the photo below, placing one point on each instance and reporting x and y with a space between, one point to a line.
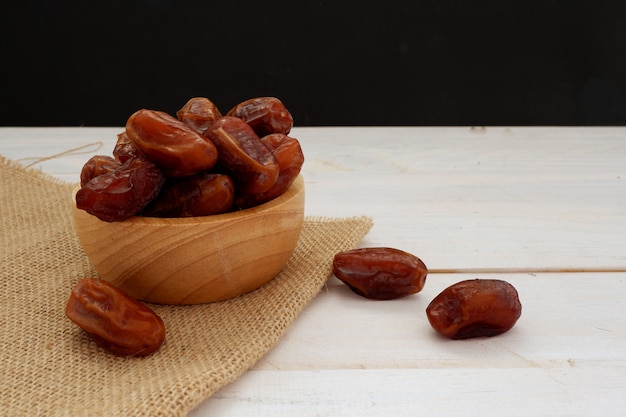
196 259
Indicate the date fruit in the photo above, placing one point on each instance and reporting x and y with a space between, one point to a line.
266 115
96 166
172 145
243 156
161 164
122 193
115 321
199 113
199 195
125 149
289 156
380 273
475 308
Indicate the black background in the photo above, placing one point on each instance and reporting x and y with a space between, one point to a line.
332 62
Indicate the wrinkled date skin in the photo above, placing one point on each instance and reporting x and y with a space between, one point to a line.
199 195
289 156
380 273
160 161
243 155
125 149
115 321
475 308
96 166
120 194
199 113
266 115
172 145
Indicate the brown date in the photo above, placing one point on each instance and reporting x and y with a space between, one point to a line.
266 115
198 195
290 159
380 273
475 308
122 193
199 113
243 155
115 321
172 145
125 149
96 166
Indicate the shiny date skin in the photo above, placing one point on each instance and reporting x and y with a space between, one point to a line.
97 165
475 308
243 155
380 273
115 321
172 145
122 193
289 156
198 195
199 113
266 115
125 149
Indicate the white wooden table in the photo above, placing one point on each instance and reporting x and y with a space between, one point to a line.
543 208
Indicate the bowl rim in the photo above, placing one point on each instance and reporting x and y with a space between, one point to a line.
296 187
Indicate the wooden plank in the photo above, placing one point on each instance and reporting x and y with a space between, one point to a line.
566 319
460 198
58 151
346 355
499 198
470 392
480 201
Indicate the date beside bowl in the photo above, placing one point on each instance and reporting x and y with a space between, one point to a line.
195 260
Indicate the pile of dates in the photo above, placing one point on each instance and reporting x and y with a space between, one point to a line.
198 163
470 308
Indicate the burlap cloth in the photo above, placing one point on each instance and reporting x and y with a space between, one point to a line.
49 367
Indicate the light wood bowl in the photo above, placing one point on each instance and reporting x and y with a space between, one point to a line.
196 259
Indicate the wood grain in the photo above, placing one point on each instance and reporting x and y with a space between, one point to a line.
196 259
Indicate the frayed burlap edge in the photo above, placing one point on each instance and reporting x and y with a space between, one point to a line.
49 367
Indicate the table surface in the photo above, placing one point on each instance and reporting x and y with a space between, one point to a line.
543 208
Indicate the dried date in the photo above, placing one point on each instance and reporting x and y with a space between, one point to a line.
475 308
380 273
115 321
97 165
172 145
125 149
243 156
198 141
199 195
199 113
122 193
266 115
289 156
